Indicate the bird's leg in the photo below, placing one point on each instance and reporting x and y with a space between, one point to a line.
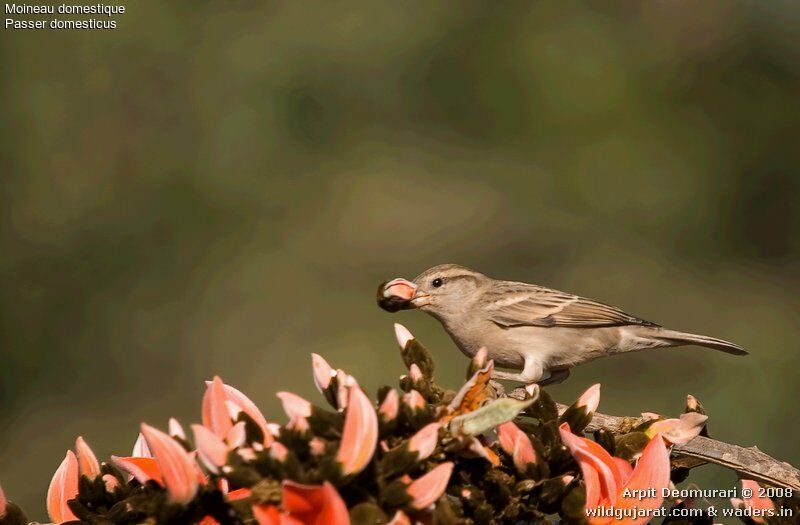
555 377
533 372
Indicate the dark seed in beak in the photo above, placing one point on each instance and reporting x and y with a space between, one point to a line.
392 303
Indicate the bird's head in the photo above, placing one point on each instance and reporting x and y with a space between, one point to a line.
442 291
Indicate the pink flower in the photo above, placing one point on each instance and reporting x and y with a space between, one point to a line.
298 410
426 490
403 335
335 392
63 487
278 451
360 433
414 400
474 447
390 406
111 482
424 441
757 507
590 399
177 466
221 407
323 372
316 446
343 382
607 477
211 449
3 504
216 416
140 448
87 461
175 429
516 444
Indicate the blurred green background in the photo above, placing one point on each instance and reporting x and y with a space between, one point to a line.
218 188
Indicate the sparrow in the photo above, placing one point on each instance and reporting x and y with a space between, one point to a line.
539 332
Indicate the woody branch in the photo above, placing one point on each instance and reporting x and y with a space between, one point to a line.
748 461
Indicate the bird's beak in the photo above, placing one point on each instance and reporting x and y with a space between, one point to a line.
400 294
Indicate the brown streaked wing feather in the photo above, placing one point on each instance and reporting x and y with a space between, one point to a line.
519 304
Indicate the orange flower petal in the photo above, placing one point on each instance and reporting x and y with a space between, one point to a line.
3 503
176 465
316 446
142 469
278 451
248 407
237 435
266 514
474 447
414 399
590 399
87 461
754 502
403 335
314 504
294 405
298 410
323 372
591 456
176 429
212 450
140 448
111 482
63 487
624 468
425 440
651 471
360 433
516 444
426 490
238 494
523 453
390 406
215 411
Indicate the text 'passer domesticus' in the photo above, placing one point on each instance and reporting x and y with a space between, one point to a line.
540 331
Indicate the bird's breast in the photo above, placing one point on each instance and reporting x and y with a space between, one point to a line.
471 337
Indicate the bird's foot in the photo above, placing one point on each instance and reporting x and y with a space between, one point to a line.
555 377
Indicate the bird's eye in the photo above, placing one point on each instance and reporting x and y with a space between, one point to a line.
437 282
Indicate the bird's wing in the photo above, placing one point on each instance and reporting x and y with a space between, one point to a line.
518 304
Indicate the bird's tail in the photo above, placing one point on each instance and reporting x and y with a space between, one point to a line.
675 338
